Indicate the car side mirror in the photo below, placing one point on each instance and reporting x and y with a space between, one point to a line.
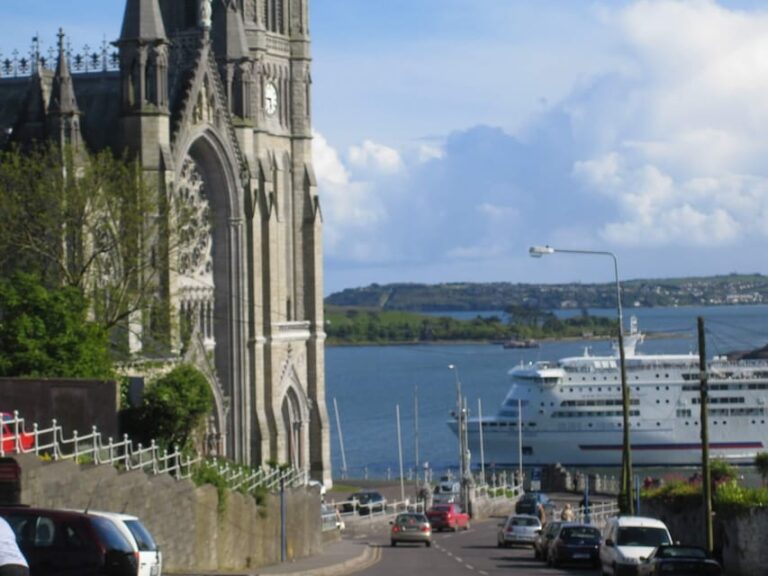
609 543
538 531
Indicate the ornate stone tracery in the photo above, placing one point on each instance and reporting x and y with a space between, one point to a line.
195 258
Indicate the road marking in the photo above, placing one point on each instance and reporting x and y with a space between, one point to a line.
469 566
483 572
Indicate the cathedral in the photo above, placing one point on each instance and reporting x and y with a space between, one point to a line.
212 99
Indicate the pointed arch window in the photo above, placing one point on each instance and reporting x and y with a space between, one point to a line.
274 15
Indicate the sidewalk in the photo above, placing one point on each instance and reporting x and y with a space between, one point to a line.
336 559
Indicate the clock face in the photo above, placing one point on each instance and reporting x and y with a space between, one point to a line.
270 98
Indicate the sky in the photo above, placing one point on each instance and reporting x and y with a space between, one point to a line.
452 135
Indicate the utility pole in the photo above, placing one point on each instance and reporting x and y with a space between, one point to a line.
704 417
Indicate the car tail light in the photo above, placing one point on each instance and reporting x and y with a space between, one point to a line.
395 529
426 528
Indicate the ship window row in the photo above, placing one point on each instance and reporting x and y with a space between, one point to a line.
721 400
755 411
499 424
696 388
603 402
591 413
544 380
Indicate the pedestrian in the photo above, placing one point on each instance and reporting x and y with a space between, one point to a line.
567 514
12 561
541 513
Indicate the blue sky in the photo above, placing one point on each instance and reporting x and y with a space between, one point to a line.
453 134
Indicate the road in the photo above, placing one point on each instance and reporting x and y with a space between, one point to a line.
469 553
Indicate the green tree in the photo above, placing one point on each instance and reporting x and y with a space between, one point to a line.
175 406
45 332
761 463
91 221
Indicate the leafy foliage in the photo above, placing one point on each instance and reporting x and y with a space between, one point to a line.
45 332
93 223
175 406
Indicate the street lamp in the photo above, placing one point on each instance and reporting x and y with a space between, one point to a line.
626 452
463 444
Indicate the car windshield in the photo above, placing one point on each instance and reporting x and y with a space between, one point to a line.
642 536
580 533
681 552
442 508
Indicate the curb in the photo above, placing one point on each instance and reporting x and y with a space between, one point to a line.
368 557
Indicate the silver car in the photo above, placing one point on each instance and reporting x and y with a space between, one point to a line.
520 529
410 527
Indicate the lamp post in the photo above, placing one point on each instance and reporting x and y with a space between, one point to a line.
626 451
461 421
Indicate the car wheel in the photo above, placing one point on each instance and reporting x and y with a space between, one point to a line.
429 544
394 543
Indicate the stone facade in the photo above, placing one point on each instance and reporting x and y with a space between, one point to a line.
213 101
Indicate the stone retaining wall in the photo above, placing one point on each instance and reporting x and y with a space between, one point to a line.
739 542
193 531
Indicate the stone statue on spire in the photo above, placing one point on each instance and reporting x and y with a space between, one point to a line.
205 14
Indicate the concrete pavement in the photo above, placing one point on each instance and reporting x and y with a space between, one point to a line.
337 558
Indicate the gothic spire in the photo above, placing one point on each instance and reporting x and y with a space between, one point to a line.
63 100
142 21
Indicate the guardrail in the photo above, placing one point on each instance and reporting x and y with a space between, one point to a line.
93 449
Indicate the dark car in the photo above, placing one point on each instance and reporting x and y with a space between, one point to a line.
575 543
59 543
529 503
365 502
677 560
544 539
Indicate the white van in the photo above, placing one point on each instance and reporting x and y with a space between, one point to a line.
627 541
149 555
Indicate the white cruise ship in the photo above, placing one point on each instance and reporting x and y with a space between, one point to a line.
572 411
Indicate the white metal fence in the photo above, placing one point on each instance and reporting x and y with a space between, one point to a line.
92 448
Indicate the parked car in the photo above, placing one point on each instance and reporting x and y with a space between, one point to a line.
150 557
365 502
529 502
411 527
628 541
62 542
677 560
519 529
26 440
575 543
544 539
448 517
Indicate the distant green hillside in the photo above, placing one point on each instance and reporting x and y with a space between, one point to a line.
707 291
372 326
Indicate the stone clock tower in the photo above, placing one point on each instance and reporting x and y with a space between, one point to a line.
213 100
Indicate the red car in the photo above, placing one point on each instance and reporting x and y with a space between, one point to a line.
448 517
26 440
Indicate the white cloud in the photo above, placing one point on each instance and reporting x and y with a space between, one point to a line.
686 167
349 206
427 152
377 157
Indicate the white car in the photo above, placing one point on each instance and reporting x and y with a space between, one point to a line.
150 557
627 541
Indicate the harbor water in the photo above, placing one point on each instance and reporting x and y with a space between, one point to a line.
369 383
